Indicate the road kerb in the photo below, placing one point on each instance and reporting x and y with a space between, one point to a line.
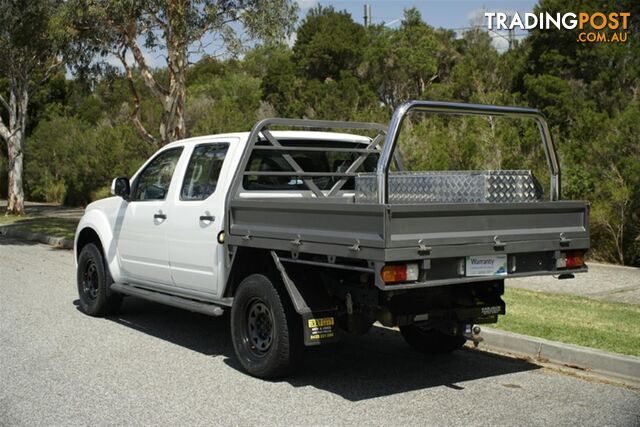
611 365
58 242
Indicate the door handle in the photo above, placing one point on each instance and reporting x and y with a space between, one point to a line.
207 218
159 216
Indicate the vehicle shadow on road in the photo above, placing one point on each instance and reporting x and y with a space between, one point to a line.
382 364
197 332
357 368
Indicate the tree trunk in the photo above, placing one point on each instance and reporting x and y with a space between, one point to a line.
172 126
14 135
15 202
173 98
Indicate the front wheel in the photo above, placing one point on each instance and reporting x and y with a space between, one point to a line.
431 341
265 329
93 279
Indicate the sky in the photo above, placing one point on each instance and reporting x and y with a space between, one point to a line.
453 14
438 13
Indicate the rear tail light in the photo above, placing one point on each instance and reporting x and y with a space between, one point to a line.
572 259
394 273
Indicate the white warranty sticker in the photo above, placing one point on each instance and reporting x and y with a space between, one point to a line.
487 265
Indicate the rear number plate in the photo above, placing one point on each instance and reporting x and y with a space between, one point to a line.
486 265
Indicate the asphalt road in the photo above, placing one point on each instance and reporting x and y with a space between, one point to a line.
157 365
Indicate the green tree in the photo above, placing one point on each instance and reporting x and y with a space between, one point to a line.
30 54
479 75
70 159
281 80
319 77
616 193
224 97
589 92
327 43
402 63
608 71
103 27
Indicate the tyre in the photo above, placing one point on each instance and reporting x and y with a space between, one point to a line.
431 341
93 279
265 329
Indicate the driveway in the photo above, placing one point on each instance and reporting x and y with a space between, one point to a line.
603 281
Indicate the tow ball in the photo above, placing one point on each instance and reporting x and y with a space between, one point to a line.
472 333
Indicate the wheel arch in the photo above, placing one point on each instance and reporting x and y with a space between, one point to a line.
88 235
306 294
94 228
248 261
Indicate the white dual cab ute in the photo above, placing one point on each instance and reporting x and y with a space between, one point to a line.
306 236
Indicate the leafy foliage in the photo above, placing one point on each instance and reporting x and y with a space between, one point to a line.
106 27
328 43
81 136
30 44
68 159
402 63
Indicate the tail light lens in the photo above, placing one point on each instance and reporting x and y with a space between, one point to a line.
572 259
575 259
394 273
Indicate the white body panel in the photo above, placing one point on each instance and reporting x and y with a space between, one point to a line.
141 242
100 216
194 252
179 254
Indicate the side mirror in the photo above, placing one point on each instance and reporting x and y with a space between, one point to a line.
120 187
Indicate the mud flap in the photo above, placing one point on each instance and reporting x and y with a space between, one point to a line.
319 327
316 311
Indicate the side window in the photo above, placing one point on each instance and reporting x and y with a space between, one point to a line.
153 182
202 174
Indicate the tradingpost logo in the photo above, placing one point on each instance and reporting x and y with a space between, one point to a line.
596 27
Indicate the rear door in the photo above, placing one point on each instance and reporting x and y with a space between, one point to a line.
194 252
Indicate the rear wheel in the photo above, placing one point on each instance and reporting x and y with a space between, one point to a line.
431 341
265 329
93 280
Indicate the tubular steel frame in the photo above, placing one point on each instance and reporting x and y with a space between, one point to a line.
384 162
261 128
388 150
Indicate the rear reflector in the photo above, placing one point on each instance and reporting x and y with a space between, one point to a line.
394 273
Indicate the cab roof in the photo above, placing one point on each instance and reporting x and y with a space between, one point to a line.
309 135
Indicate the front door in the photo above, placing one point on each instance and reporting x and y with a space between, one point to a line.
140 227
194 252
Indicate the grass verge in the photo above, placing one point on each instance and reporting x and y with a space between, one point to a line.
591 323
10 219
51 226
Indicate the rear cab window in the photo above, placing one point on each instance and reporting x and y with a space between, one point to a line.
309 161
